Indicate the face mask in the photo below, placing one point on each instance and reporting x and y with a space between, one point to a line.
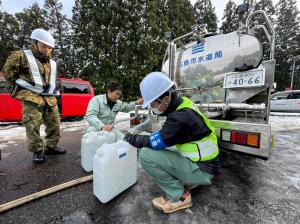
156 111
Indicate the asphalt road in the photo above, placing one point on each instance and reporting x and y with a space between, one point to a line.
248 190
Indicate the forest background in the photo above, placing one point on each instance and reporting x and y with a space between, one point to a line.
121 40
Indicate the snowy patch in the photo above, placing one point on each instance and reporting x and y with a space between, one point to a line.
73 126
278 121
9 134
285 121
12 134
2 146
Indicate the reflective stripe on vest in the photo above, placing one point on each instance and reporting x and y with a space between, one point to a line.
36 77
52 77
204 149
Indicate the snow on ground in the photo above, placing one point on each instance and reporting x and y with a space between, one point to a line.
15 132
249 191
284 121
11 133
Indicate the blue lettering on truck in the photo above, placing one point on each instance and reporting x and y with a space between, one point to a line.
199 59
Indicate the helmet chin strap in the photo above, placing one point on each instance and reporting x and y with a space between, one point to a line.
167 104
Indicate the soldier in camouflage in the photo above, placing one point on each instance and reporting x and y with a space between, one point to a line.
39 107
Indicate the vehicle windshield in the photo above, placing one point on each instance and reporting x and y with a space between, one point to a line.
75 88
280 96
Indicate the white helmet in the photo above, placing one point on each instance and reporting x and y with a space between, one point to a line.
153 86
43 36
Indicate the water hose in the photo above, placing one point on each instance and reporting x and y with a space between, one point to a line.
31 197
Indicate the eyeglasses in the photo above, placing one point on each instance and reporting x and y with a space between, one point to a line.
158 100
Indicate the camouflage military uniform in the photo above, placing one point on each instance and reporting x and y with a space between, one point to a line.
37 109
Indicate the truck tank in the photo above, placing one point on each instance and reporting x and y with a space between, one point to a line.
228 81
203 64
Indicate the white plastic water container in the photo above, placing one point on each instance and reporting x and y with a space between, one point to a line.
115 169
90 142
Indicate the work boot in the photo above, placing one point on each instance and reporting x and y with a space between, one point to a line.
54 150
168 206
39 157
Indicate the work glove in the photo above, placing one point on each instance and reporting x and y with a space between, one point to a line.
127 137
138 141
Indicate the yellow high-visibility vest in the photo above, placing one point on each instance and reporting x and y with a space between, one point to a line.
201 150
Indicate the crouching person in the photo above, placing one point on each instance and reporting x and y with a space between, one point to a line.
184 152
102 110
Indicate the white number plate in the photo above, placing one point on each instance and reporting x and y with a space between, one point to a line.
255 77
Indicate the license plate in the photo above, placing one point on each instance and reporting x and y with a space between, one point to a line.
251 78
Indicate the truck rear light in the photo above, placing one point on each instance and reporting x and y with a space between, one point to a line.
233 136
253 140
241 138
226 135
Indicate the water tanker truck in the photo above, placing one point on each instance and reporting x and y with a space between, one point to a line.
228 80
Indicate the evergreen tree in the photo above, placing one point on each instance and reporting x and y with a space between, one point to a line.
81 39
205 14
95 40
180 16
30 19
251 8
116 44
59 26
230 20
267 6
129 46
156 23
99 37
9 30
287 27
242 18
124 40
115 34
297 62
122 44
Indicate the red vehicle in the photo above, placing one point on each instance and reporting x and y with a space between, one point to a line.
73 101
